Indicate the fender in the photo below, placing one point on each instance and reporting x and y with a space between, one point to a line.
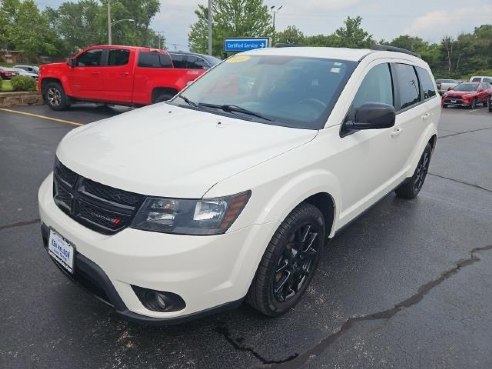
426 136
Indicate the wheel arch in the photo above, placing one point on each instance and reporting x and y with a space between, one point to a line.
157 91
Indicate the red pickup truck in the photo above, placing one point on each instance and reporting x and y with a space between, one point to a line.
113 74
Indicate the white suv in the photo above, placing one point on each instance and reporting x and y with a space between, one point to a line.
231 190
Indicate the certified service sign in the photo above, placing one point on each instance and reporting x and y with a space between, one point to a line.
244 44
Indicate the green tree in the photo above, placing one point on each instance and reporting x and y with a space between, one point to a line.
323 40
231 18
291 35
352 35
25 28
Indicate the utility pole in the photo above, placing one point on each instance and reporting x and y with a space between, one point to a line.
272 8
209 27
110 36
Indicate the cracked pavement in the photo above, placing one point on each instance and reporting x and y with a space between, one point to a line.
407 285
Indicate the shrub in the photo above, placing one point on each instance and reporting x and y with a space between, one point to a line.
1 80
23 83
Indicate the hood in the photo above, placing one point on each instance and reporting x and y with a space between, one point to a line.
460 93
163 150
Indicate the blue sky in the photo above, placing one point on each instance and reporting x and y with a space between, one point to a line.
428 19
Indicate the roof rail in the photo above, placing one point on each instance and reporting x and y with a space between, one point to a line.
394 49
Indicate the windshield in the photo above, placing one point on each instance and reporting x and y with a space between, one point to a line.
290 91
466 87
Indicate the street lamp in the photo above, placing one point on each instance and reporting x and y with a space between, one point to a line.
272 8
112 23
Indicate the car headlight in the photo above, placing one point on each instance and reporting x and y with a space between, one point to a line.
192 217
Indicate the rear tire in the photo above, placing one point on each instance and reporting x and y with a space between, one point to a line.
162 97
474 104
289 262
55 96
412 186
444 106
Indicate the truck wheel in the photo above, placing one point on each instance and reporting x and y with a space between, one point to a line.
412 186
162 97
289 262
55 97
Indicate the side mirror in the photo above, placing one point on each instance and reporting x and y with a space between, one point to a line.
72 62
450 88
372 116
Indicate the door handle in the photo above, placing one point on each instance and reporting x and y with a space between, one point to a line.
426 116
396 131
124 74
96 73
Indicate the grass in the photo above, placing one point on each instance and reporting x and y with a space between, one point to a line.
6 86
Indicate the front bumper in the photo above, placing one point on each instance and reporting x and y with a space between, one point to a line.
208 272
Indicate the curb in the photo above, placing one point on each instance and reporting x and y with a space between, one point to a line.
8 99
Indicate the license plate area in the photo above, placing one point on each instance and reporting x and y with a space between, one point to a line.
61 250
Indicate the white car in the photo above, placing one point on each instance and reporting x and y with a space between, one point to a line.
231 190
22 72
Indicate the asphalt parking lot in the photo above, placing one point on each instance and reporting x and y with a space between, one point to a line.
407 285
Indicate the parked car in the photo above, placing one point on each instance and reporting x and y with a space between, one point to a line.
468 94
7 73
443 85
490 103
487 79
230 190
28 68
192 60
22 72
123 75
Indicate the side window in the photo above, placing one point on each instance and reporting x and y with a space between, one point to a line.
376 87
488 80
195 62
426 83
91 58
154 60
476 79
118 57
407 86
179 60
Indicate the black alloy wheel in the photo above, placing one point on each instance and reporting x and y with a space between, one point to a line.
289 262
296 262
412 186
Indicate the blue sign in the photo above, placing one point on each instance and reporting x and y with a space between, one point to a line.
244 44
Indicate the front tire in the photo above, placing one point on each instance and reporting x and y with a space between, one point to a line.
162 97
474 104
412 186
55 96
289 262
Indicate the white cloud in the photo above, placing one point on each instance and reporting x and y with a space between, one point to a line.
435 24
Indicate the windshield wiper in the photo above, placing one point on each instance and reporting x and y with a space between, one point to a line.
234 109
188 101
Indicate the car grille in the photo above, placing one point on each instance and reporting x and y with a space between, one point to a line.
102 208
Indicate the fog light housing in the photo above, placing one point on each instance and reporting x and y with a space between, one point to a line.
161 301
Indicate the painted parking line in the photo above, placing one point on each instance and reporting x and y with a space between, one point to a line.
64 121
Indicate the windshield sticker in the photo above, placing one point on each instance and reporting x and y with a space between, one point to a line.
335 70
238 59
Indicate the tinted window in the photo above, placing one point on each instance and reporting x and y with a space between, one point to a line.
408 85
118 57
195 62
91 58
154 60
476 79
426 83
179 60
375 87
489 80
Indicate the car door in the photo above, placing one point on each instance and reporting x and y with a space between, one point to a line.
84 78
117 75
369 159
